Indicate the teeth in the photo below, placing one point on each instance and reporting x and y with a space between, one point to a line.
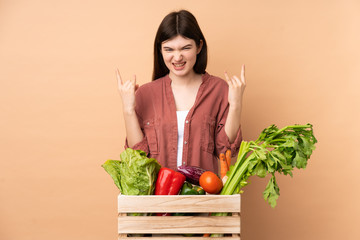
179 65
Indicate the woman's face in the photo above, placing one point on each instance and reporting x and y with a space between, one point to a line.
179 55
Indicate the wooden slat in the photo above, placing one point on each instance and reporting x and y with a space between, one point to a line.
122 236
182 238
236 234
178 224
178 203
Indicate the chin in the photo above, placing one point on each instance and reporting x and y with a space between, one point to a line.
183 72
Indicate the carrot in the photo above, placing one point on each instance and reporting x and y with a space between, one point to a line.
223 165
228 157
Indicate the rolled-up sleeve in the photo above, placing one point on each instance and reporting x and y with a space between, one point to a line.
222 142
142 145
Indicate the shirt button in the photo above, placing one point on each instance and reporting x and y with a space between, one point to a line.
184 163
148 123
187 121
185 142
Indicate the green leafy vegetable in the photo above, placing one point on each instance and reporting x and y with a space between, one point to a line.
135 173
112 167
276 150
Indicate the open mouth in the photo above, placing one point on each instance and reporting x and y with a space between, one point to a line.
179 64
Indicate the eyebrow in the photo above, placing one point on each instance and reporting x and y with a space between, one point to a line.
188 45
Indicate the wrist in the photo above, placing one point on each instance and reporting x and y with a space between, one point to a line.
129 111
235 107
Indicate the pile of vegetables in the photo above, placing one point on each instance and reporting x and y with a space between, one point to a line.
275 150
136 174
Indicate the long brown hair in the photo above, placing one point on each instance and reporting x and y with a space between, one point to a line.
178 23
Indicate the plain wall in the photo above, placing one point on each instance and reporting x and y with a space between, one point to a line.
61 114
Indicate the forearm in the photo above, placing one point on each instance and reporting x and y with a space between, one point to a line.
232 123
132 126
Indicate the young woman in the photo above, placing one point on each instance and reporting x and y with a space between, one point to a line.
185 116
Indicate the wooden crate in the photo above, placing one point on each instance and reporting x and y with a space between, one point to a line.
174 226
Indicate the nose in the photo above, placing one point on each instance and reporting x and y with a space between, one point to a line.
177 56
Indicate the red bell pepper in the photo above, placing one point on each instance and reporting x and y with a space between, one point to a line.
169 182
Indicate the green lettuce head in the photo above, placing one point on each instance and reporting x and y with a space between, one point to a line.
135 173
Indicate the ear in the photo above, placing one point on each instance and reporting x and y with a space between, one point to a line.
200 46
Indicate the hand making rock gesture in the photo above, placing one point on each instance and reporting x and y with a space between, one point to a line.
127 91
236 88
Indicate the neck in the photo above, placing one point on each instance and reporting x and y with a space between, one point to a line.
184 80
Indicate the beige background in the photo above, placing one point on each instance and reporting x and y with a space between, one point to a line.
61 113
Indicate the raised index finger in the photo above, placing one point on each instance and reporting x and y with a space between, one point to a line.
119 80
243 74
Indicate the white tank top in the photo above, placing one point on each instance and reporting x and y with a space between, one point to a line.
181 116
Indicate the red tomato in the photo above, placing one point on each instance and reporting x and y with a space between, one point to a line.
210 182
